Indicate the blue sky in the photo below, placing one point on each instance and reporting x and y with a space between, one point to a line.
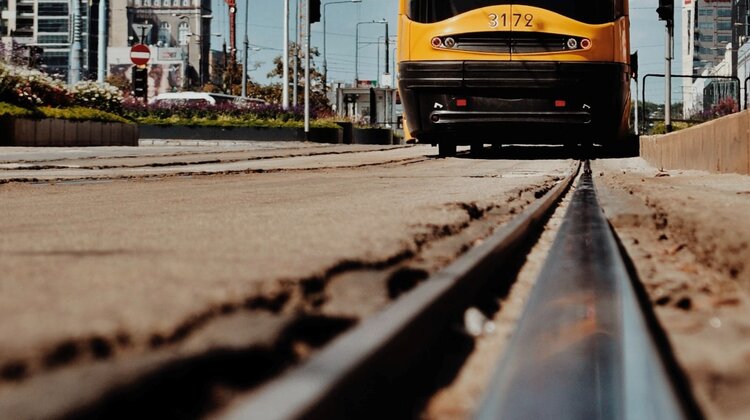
265 32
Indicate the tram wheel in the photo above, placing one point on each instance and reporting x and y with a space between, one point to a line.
446 149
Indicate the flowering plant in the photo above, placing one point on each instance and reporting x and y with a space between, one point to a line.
100 96
28 87
134 109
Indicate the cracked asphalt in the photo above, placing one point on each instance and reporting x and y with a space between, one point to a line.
121 260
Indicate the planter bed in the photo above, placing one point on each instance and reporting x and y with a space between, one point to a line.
52 132
181 132
373 136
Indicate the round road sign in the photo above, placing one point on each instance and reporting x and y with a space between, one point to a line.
140 54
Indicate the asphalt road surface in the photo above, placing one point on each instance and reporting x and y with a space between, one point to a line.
116 261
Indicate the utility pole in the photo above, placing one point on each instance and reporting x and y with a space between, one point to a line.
285 72
244 58
75 49
666 13
101 62
307 67
297 37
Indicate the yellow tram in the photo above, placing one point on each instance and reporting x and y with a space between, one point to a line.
527 71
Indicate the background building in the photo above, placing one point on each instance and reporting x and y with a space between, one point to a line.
177 33
707 31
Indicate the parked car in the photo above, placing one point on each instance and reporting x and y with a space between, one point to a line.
203 98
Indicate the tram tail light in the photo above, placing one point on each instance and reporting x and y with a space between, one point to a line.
560 103
585 43
437 42
461 102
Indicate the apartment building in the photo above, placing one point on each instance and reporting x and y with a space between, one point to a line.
176 31
708 29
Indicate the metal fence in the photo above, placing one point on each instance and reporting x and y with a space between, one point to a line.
705 98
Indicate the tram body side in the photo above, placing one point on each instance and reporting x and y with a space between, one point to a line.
514 73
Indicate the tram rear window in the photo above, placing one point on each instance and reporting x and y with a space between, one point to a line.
587 11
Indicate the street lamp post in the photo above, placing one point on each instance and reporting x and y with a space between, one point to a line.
285 68
244 58
356 50
200 41
325 60
185 47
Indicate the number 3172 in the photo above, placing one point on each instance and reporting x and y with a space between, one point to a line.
516 19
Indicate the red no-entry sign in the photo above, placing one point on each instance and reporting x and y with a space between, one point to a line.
140 54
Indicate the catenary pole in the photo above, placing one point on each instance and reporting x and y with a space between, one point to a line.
75 49
295 81
307 67
285 76
101 59
668 78
244 58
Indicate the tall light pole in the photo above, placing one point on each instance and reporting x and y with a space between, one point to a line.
244 58
325 61
101 54
200 40
297 34
285 72
74 72
356 49
307 67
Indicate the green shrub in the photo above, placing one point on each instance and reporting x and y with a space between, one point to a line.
9 110
79 113
248 120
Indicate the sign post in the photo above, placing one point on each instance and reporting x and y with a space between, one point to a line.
140 54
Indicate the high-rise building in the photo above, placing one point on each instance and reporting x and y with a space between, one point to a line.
176 31
48 26
707 30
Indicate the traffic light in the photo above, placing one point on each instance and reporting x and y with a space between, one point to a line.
666 11
314 11
36 58
140 82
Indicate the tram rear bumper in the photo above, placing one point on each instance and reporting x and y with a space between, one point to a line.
520 102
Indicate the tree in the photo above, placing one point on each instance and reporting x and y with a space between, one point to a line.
319 103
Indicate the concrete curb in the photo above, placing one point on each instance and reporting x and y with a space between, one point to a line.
52 132
720 146
319 135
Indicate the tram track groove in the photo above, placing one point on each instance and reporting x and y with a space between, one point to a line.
596 352
387 342
583 347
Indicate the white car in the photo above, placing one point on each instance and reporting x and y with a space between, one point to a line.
203 98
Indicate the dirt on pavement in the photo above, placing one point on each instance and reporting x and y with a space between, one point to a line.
114 273
687 235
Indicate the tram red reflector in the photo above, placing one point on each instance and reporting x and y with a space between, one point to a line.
560 103
461 102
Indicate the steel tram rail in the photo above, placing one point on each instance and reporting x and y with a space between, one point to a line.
582 349
389 341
